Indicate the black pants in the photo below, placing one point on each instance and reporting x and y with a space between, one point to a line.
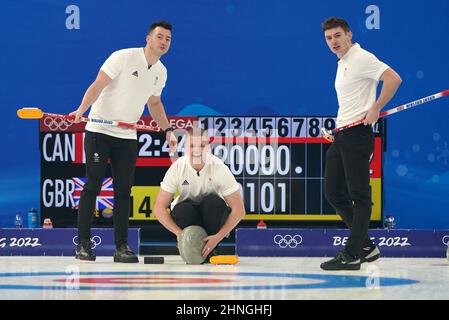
346 182
211 213
99 148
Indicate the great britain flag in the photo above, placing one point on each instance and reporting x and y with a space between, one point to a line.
104 200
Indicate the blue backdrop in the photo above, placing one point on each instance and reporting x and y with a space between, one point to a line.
235 57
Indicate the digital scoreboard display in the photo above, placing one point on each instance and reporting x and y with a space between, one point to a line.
279 163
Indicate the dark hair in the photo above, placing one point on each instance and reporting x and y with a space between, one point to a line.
164 24
196 131
335 22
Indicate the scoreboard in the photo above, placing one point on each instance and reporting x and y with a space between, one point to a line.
278 162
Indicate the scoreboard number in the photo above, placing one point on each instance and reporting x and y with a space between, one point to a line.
147 140
314 127
142 202
329 123
221 125
236 127
283 127
255 160
298 127
252 127
272 196
267 127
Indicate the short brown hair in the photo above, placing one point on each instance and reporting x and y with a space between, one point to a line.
335 22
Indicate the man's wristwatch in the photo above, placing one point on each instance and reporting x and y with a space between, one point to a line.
168 129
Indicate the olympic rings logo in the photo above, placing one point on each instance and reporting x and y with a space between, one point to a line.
95 241
287 241
57 123
445 240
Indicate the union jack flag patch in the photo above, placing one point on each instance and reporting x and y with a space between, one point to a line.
104 200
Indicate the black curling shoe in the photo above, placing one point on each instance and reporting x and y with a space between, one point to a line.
84 252
369 254
342 261
124 254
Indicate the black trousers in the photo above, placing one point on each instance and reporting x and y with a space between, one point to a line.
346 182
211 213
99 148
